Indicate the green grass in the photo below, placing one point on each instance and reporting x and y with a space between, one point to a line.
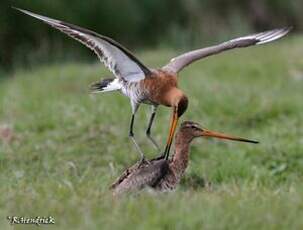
69 145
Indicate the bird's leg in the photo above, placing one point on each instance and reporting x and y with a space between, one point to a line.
173 125
150 123
132 137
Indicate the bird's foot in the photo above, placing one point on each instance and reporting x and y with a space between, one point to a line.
144 161
162 156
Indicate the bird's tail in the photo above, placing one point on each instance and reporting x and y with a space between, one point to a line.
105 85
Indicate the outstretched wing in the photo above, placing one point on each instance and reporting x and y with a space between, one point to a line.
121 62
178 63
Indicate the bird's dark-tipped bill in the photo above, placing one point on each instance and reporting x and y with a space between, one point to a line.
209 133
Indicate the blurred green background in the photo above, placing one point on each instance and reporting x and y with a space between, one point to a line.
137 24
61 148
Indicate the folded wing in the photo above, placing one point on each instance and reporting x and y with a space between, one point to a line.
140 176
121 62
178 63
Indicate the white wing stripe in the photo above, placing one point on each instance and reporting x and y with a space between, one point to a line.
115 57
183 60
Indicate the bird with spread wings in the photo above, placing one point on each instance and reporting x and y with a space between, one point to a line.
146 85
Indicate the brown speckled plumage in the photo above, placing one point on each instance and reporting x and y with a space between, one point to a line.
160 174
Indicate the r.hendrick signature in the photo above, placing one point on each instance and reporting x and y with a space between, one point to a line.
38 220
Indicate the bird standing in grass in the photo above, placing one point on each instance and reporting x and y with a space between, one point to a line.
162 174
145 85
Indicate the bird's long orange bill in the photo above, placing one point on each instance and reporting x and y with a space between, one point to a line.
209 133
172 130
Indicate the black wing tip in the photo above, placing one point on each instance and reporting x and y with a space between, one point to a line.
19 9
97 86
16 8
100 85
27 12
272 35
285 30
288 28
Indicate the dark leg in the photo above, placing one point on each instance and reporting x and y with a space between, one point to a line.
132 137
148 131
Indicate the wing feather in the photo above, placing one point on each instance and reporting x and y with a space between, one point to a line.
178 63
140 176
120 61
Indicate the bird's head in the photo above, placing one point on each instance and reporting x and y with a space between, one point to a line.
192 129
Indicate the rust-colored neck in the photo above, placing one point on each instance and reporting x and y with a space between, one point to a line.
180 159
176 98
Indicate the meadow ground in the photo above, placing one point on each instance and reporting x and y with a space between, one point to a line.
67 146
